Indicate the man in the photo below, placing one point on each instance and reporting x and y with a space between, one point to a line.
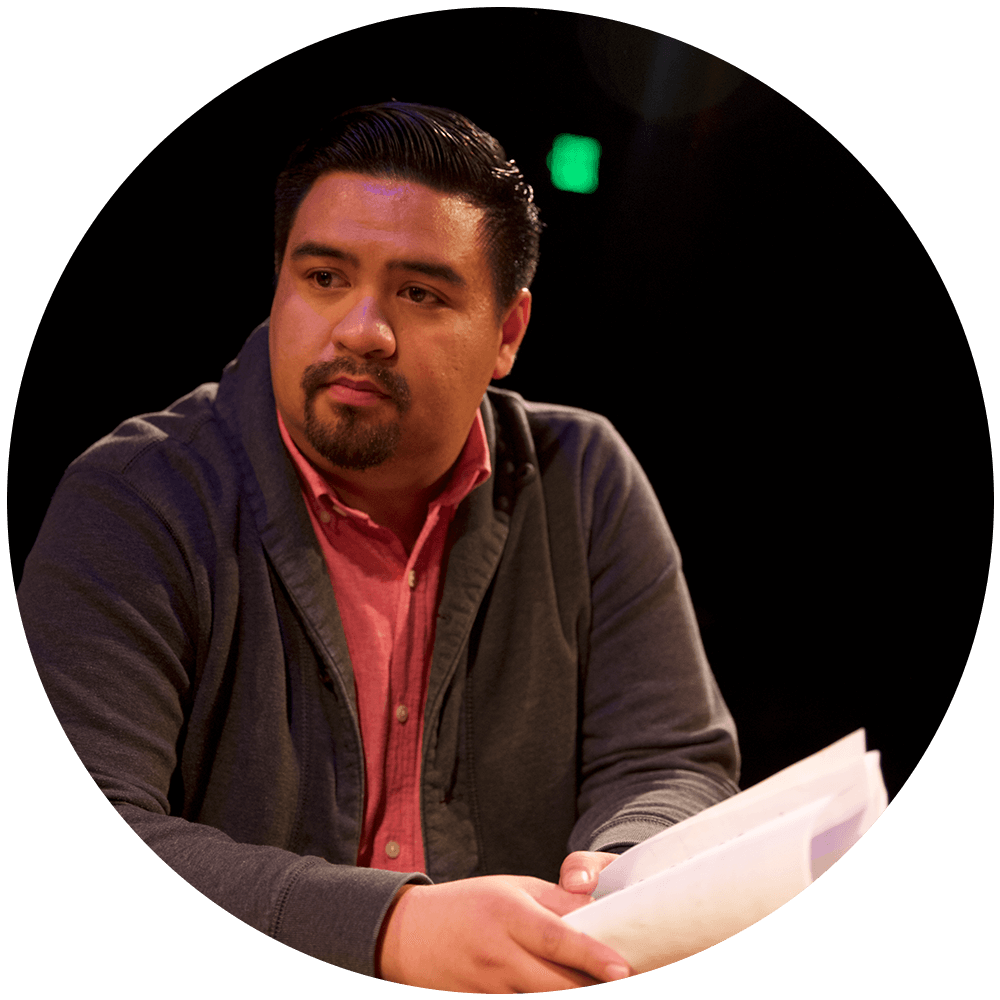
373 654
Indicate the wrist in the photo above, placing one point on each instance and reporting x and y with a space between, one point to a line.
387 943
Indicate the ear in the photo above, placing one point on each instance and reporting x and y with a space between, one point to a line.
512 330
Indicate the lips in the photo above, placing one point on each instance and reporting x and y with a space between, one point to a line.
355 392
346 381
358 385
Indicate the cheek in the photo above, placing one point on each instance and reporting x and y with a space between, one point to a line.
298 335
285 376
295 319
289 357
458 382
291 310
473 350
460 366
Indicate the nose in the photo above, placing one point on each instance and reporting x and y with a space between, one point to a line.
365 331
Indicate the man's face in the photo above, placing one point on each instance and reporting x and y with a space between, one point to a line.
384 332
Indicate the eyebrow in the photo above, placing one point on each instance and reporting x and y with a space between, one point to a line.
432 270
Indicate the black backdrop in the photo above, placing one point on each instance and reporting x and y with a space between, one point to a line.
739 296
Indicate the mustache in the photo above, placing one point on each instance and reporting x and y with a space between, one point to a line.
322 373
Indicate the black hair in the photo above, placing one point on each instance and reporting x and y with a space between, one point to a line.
435 147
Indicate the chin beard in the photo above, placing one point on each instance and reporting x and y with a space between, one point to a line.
353 443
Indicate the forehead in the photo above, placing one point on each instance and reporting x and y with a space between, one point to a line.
382 211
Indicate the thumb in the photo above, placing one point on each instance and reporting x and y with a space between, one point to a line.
554 899
580 870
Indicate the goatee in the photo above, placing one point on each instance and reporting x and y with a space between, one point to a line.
355 442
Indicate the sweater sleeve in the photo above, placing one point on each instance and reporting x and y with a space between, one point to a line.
125 613
658 743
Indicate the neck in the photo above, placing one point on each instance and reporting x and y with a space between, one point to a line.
402 510
395 494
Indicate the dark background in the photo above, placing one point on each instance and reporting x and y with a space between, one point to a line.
739 296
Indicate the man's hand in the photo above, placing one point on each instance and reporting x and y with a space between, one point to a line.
494 934
580 870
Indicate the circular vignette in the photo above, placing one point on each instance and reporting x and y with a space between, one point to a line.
126 113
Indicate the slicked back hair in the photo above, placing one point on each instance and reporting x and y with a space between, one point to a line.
438 148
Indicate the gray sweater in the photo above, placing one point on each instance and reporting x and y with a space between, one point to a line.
179 611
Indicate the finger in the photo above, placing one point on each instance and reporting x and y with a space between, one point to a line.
533 974
529 973
550 938
540 976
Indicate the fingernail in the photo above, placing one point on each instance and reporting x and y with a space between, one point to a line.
612 972
576 879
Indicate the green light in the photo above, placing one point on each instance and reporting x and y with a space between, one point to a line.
572 163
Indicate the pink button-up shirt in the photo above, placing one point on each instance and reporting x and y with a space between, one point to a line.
388 604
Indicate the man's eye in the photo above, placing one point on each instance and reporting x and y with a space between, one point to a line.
323 278
420 295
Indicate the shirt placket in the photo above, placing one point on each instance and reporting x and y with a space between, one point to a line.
403 719
407 683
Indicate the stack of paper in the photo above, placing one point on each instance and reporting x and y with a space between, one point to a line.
698 882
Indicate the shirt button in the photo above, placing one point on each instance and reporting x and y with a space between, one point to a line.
412 578
402 714
392 849
324 516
